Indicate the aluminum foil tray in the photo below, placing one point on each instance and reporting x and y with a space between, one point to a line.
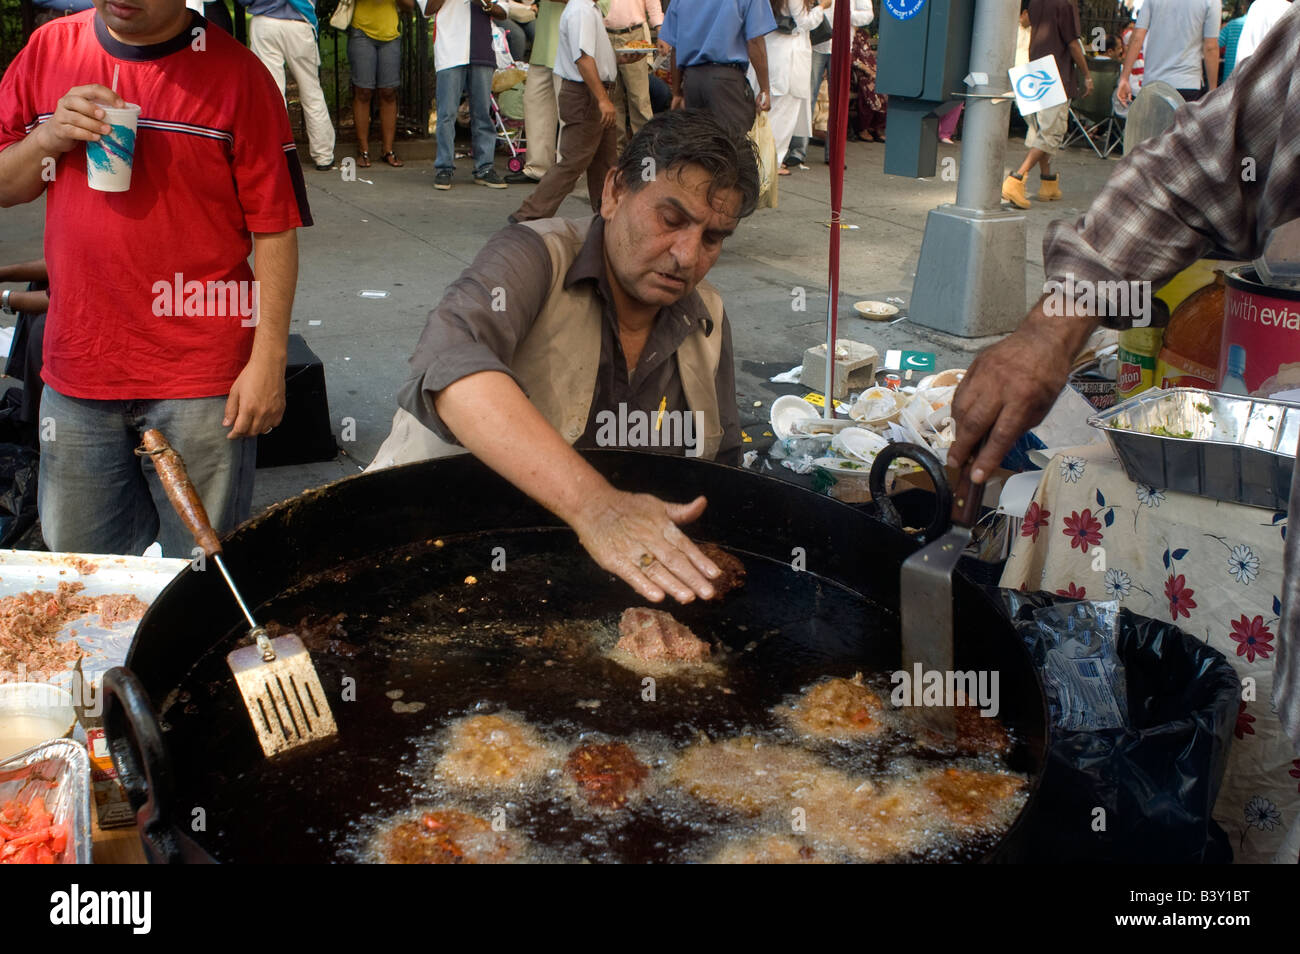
1231 448
59 772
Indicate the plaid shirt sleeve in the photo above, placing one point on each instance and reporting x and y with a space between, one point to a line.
1227 173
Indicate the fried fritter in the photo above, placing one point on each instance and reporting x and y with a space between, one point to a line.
769 850
443 837
750 776
733 571
836 709
493 751
970 799
606 773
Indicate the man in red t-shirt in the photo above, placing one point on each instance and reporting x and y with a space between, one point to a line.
155 317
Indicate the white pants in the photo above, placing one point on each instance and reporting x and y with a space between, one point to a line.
541 120
789 117
278 43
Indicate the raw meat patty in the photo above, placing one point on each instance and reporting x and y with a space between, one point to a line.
654 636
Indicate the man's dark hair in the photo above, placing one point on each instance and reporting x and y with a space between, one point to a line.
692 137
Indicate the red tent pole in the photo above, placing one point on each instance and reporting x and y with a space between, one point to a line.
836 140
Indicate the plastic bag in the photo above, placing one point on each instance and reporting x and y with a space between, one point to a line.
765 144
1142 793
19 469
1073 645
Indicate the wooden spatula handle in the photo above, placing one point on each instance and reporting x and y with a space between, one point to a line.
176 481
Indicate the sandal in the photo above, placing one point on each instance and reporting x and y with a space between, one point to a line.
363 160
390 157
783 171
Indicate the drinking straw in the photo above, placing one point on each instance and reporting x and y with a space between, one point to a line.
116 67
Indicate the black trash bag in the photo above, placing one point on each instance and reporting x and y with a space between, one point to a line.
19 470
1156 780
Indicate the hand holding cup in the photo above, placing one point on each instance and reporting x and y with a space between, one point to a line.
78 117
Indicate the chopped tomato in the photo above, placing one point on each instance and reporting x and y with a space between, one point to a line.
29 835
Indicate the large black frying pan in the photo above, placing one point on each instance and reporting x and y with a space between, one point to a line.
365 546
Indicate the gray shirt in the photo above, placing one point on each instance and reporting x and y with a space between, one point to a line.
465 334
1176 29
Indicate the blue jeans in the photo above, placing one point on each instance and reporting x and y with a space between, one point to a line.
451 85
97 496
821 64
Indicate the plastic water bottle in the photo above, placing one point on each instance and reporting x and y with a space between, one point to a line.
1234 382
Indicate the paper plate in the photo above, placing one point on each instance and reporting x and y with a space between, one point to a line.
858 411
840 465
788 409
875 310
942 379
860 443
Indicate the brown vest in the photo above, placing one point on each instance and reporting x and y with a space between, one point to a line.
558 359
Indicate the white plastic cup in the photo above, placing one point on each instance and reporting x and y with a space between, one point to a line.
108 162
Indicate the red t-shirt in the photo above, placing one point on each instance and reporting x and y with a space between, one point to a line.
214 162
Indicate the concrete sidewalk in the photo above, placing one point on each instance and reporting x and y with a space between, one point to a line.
391 231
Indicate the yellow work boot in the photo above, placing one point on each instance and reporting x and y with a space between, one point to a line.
1013 190
1049 190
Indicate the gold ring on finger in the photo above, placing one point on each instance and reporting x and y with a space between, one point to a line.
646 560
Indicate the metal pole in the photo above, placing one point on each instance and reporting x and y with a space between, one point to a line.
984 141
970 277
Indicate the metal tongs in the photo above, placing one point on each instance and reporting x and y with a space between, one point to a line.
925 582
280 686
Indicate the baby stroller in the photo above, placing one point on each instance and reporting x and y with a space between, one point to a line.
511 135
510 132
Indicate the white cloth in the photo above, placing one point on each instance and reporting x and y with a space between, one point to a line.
292 43
861 15
582 30
1259 19
789 76
451 43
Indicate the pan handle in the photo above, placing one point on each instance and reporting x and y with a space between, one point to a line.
140 756
943 513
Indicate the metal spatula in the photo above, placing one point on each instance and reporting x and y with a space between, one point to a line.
925 601
281 689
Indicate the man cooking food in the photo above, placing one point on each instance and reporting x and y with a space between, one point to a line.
597 332
1164 207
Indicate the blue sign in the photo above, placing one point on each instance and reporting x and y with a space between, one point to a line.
904 9
1034 86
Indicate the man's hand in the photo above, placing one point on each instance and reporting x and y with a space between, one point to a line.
1012 385
256 401
608 114
679 101
764 101
77 118
1124 91
636 537
1087 84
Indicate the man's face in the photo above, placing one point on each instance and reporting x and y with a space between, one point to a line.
142 22
662 240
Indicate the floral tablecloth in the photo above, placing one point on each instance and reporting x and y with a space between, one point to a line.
1214 569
